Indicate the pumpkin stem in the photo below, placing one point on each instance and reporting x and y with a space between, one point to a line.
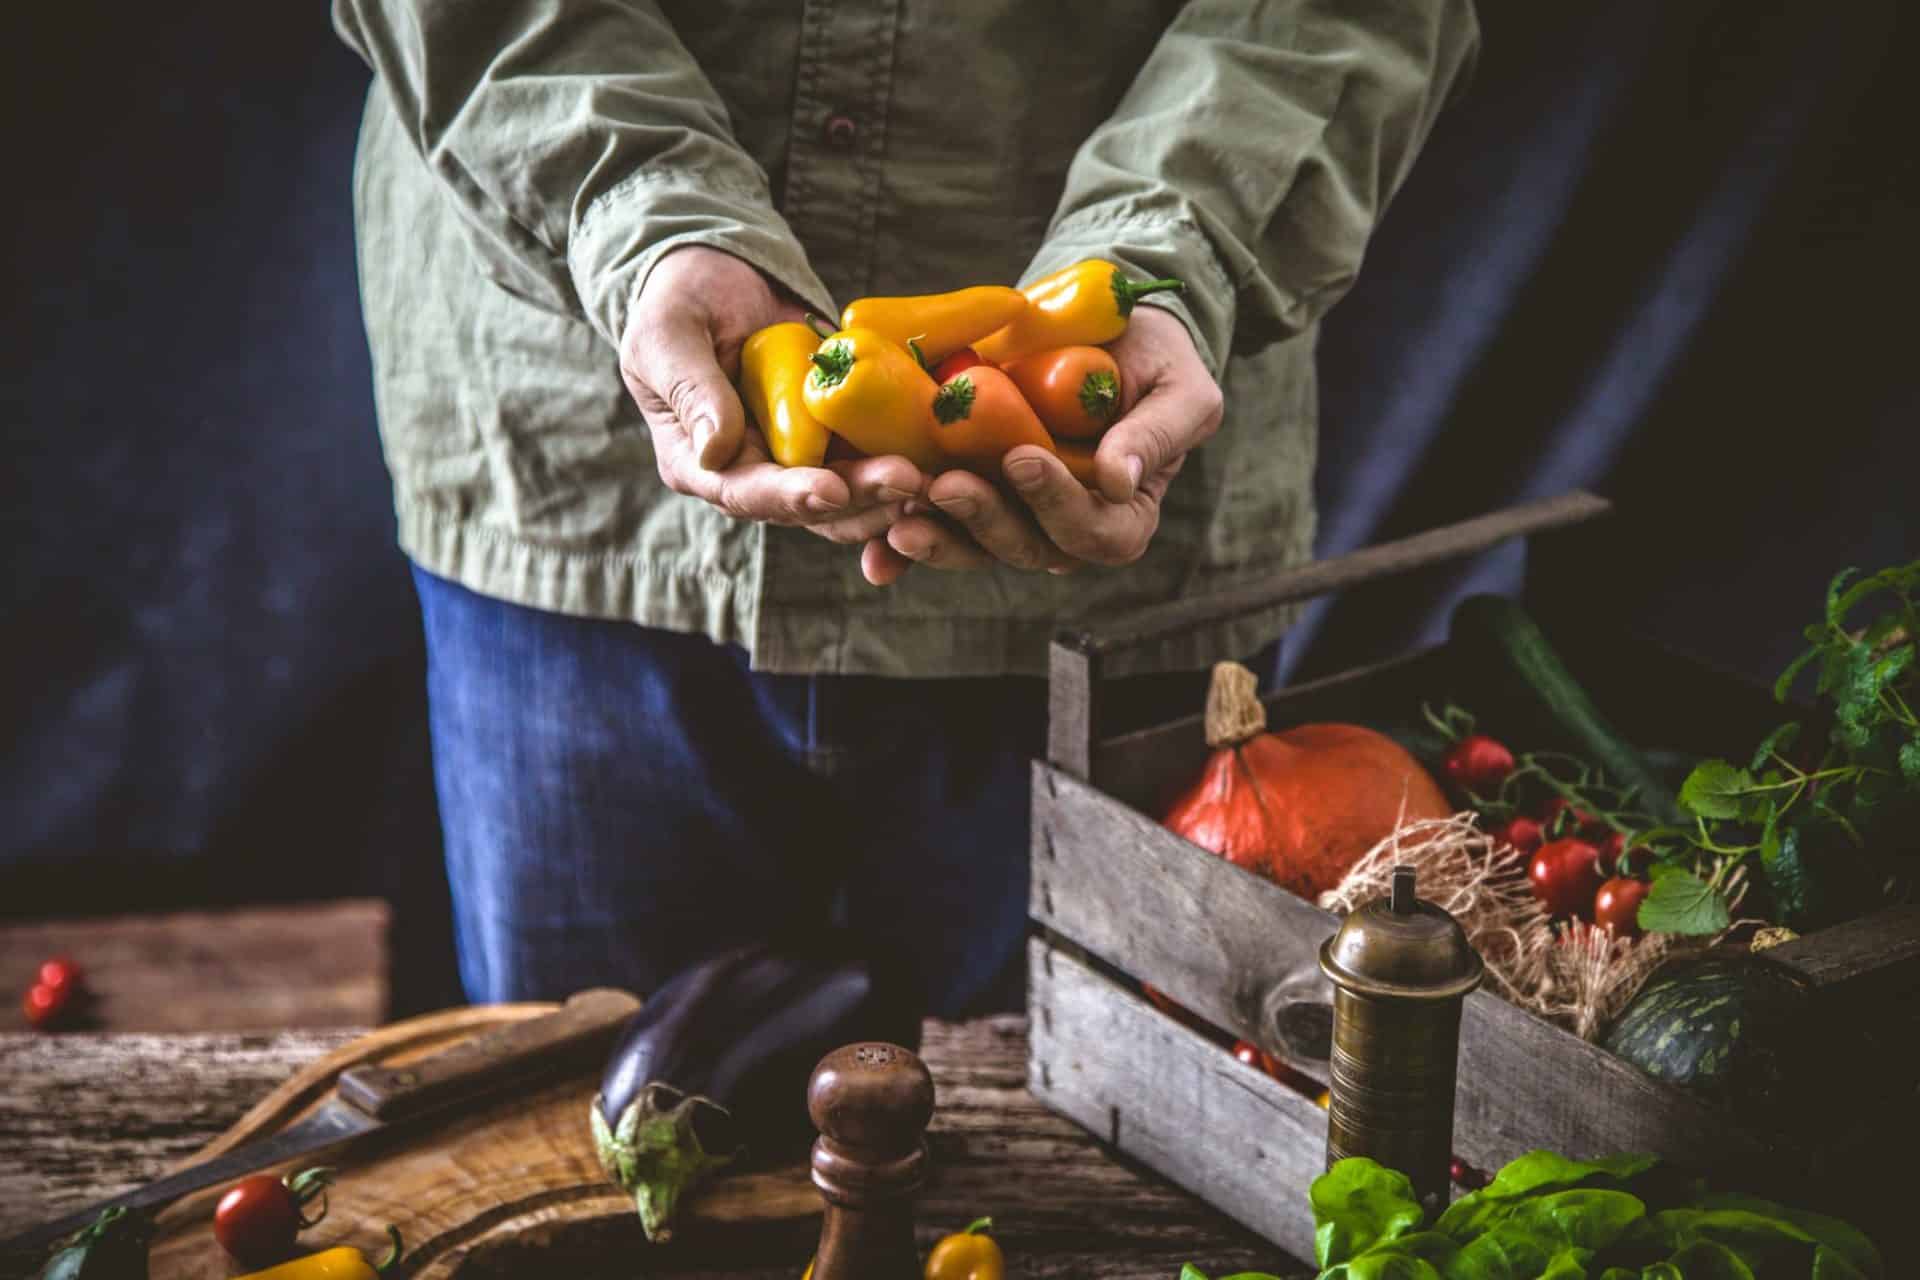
1234 712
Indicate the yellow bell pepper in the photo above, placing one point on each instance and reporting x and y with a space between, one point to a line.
875 396
1083 305
967 1255
774 365
942 323
333 1264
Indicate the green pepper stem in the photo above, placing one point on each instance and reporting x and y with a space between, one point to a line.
919 356
819 326
831 363
954 400
1100 395
392 1259
979 1227
1127 292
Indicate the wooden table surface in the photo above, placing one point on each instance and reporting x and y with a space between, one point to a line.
84 1116
321 964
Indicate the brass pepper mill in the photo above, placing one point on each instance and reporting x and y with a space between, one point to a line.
1401 969
871 1103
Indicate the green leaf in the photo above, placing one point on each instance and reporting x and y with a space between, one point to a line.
1910 760
1839 601
1681 902
1829 1233
1535 1173
1784 683
1715 789
1708 1260
1775 743
1356 1203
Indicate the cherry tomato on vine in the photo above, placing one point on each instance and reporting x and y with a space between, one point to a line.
1616 907
1477 762
45 1006
1523 833
259 1216
60 972
959 362
1576 820
1565 876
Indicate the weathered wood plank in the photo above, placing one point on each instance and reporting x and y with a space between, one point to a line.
1304 582
80 1117
1237 949
1172 1099
1073 679
256 968
1871 958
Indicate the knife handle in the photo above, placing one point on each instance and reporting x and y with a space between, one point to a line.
582 1027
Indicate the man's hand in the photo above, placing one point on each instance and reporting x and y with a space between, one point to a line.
1171 406
679 353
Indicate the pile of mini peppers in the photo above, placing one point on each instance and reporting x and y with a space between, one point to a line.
951 379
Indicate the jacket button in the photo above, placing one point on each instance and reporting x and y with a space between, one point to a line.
839 132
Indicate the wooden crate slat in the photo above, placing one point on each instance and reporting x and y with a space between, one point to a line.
1172 1099
1876 956
1225 943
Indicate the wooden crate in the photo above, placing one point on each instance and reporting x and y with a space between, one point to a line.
1119 900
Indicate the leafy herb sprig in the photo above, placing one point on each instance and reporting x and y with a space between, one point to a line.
1808 821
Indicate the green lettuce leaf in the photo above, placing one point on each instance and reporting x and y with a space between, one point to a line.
1356 1203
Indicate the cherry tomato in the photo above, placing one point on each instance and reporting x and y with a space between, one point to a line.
1477 762
259 1216
1465 1175
959 362
1259 1059
1523 833
1553 824
1565 877
1616 907
60 972
45 1006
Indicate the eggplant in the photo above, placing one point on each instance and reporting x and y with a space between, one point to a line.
714 1067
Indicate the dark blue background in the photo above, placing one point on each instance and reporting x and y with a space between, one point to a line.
1663 250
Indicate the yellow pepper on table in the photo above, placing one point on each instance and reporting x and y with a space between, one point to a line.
967 1255
1083 305
774 365
871 393
941 323
342 1263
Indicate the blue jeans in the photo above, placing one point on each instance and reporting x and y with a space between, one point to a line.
620 801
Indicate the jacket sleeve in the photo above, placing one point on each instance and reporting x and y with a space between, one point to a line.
1255 151
576 140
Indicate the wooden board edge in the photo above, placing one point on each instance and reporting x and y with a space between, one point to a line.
394 1042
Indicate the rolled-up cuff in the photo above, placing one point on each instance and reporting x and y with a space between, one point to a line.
638 222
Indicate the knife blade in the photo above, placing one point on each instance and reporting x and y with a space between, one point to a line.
370 1099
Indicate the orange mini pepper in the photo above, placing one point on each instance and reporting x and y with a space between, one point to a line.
1083 305
942 323
870 392
1075 390
980 415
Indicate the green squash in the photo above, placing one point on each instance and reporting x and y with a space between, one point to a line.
1731 1028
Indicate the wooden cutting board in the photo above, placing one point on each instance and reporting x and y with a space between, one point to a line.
509 1189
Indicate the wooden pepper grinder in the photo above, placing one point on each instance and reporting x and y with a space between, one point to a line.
871 1103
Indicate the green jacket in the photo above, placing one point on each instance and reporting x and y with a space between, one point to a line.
523 163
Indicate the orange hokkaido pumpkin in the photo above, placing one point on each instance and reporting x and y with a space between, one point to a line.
1300 806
